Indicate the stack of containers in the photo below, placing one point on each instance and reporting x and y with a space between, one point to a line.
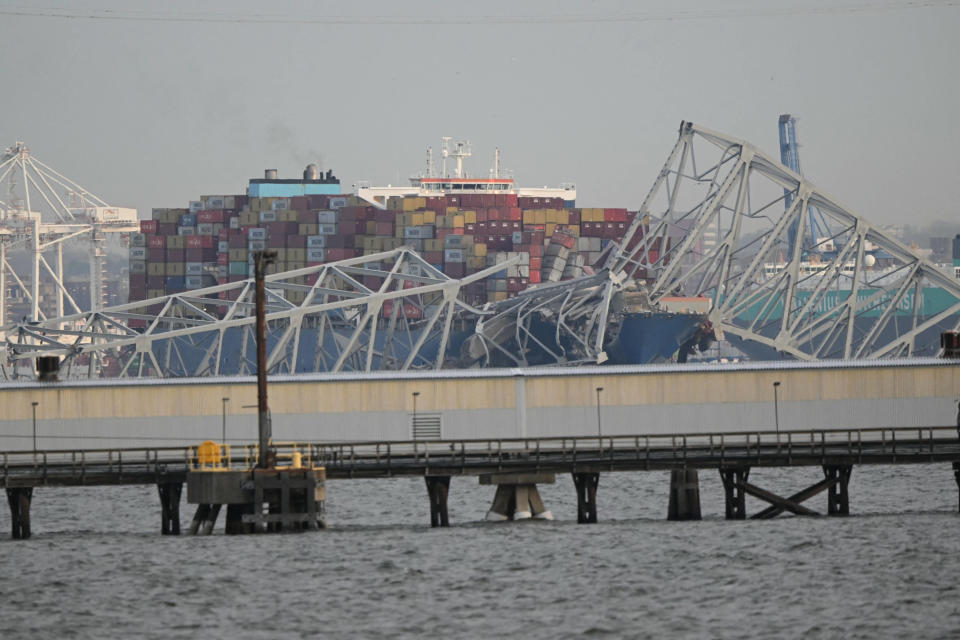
213 240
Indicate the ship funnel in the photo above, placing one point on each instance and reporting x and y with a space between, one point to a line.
270 174
312 172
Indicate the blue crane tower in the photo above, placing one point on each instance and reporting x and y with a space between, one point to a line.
790 157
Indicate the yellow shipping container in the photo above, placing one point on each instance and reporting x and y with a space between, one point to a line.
238 255
416 219
296 297
308 229
540 216
155 293
371 227
476 262
249 219
470 217
175 269
452 209
458 222
529 216
480 249
429 217
296 255
358 241
498 296
441 222
176 242
156 269
574 230
298 263
563 217
550 228
414 204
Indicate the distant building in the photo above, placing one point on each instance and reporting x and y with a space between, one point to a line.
942 249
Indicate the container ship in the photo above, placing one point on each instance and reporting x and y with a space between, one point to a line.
457 223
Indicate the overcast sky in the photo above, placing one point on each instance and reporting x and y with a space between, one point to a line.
152 104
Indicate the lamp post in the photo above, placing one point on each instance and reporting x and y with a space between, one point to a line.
33 407
776 408
223 430
599 428
415 394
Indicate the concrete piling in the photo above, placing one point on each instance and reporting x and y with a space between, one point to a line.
684 495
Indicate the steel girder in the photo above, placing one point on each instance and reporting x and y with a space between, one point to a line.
387 311
714 223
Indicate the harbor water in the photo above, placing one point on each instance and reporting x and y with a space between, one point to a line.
97 566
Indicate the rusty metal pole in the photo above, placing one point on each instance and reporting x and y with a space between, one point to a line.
260 261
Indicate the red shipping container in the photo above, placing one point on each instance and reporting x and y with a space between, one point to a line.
148 226
167 228
193 255
300 203
536 264
385 228
516 213
609 229
175 255
482 216
535 250
442 233
488 201
276 242
433 257
157 242
574 217
296 242
317 201
237 241
210 215
455 269
410 310
534 276
199 242
493 214
340 254
156 282
223 258
306 217
470 228
156 255
510 200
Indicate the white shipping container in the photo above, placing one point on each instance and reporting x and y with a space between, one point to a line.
194 268
453 255
328 217
257 234
280 204
256 245
327 229
338 203
315 254
138 253
138 240
221 271
138 266
524 270
235 222
205 229
228 202
214 202
316 242
195 205
453 241
223 246
517 237
268 216
187 231
193 282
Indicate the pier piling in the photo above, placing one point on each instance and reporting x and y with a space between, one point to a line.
19 499
838 500
438 487
684 495
517 497
956 476
170 493
586 485
733 487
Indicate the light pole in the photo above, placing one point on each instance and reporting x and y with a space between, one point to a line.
599 428
33 407
223 431
776 408
415 394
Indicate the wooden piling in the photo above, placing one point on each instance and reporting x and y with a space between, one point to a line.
684 495
170 493
438 487
19 499
956 476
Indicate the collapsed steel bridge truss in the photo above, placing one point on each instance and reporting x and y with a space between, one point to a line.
387 311
726 221
722 220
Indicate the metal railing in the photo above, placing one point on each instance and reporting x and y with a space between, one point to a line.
472 456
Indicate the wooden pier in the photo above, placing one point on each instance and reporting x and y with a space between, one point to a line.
529 461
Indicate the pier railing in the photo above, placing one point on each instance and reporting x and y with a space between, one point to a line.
492 455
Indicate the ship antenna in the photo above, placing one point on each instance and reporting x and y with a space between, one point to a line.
444 152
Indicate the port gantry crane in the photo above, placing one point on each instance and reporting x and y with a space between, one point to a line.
714 224
42 209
